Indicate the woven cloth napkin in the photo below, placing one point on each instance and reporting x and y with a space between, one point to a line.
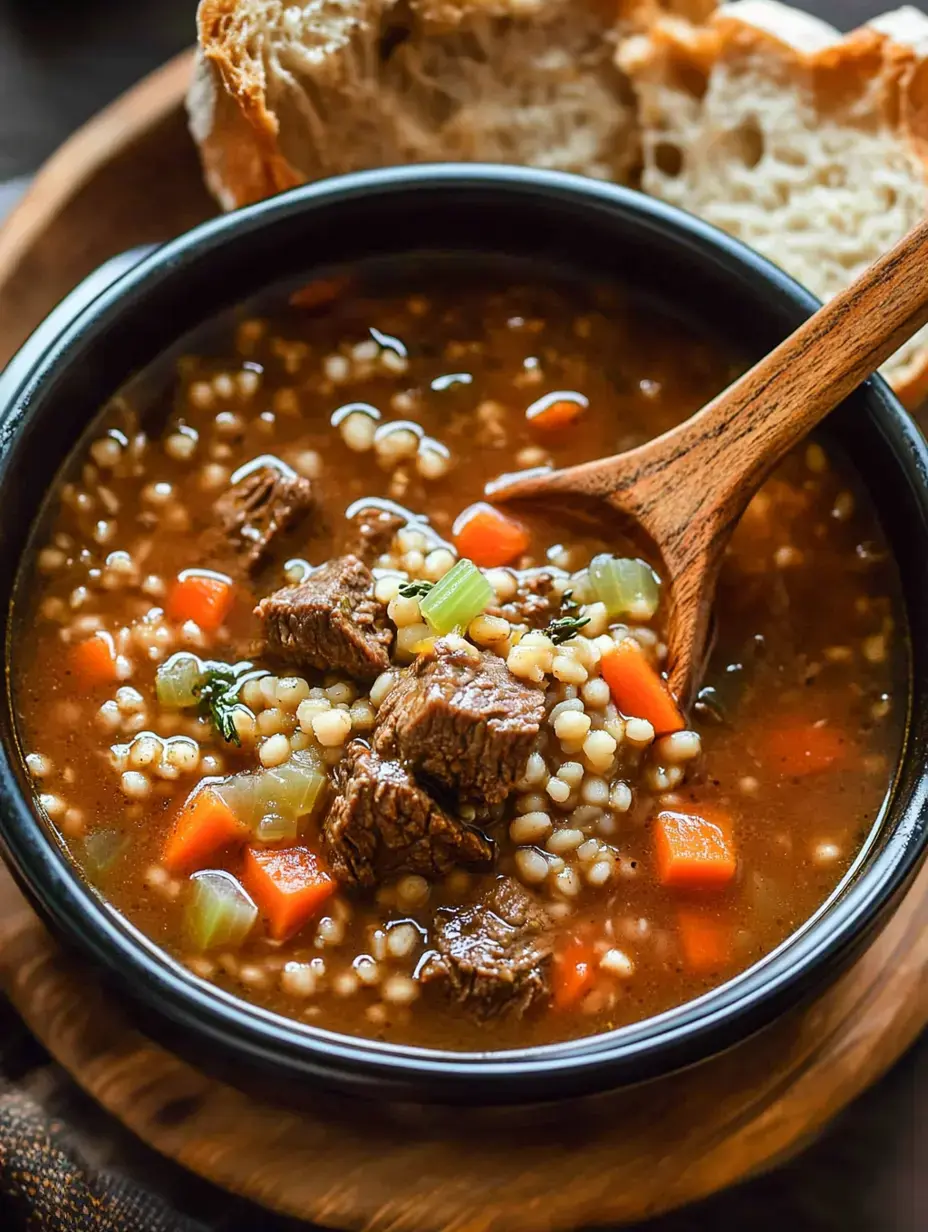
55 1177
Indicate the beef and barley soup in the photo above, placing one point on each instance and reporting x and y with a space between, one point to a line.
351 742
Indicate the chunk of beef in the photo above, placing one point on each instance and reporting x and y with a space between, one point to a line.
382 822
494 958
535 603
461 719
331 620
260 507
371 533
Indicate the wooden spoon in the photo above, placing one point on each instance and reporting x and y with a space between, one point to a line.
687 489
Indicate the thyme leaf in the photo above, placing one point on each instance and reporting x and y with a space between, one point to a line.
563 628
415 590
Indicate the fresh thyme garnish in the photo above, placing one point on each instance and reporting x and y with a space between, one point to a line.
415 590
568 624
218 698
563 628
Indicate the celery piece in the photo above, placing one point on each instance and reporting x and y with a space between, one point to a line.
626 587
452 603
219 911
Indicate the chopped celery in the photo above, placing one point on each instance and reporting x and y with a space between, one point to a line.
101 851
219 911
461 595
178 681
626 587
274 828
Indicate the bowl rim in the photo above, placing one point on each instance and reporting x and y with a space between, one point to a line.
680 1036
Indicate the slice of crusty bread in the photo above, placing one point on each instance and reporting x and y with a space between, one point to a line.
287 92
809 146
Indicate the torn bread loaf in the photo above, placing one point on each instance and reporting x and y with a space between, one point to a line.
807 145
288 92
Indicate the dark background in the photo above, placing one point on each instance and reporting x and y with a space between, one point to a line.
60 61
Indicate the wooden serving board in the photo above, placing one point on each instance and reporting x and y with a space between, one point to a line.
131 177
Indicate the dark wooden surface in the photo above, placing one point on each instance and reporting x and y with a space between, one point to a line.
60 60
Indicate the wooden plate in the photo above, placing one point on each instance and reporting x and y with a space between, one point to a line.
131 177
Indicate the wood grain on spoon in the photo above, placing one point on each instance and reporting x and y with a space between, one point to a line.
687 489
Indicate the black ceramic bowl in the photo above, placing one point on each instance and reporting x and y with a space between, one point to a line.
585 226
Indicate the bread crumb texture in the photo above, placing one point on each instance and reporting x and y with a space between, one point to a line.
808 145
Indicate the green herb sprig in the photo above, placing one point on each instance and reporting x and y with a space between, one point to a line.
568 624
217 696
415 590
563 628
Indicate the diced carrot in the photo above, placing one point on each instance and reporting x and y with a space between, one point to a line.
204 826
706 942
694 850
488 536
289 885
799 748
204 598
574 974
638 690
555 411
94 660
318 293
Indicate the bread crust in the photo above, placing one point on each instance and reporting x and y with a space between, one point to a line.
239 142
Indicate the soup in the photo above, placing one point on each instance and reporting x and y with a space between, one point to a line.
366 750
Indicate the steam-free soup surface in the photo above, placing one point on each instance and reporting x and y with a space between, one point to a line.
328 766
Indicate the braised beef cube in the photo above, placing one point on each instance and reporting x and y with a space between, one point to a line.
260 507
382 822
371 532
494 957
535 603
331 620
462 720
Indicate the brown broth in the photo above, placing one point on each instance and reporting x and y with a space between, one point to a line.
809 624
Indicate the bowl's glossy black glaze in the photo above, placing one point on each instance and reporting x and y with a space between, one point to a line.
590 227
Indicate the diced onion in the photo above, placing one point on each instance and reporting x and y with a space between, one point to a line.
102 849
219 912
293 788
242 793
274 828
626 587
178 680
289 791
454 601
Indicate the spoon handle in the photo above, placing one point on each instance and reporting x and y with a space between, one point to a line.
741 435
